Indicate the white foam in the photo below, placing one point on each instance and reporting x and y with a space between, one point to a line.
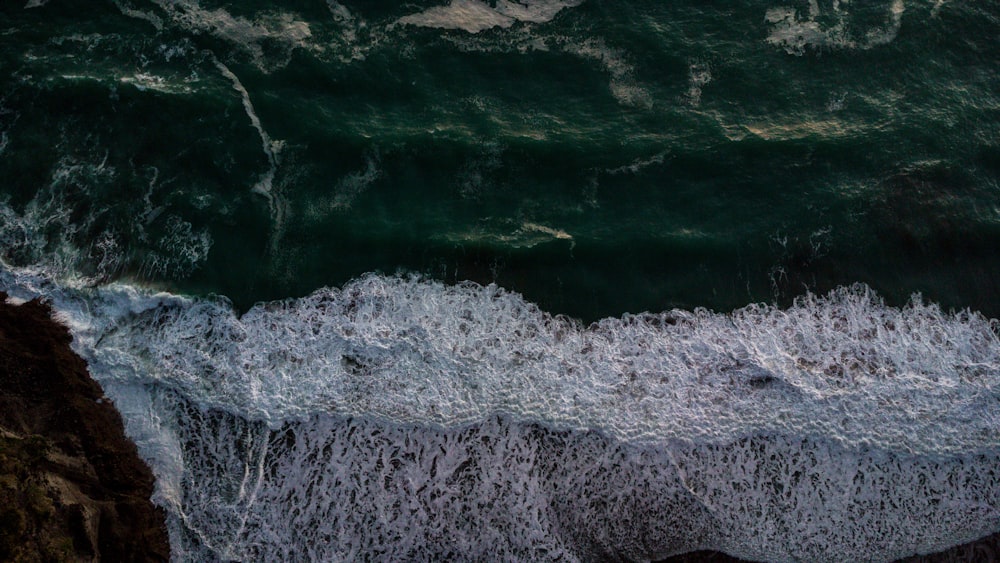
339 12
623 85
795 34
519 39
72 244
534 11
354 36
180 250
46 231
699 75
144 81
509 234
345 489
271 148
558 234
843 367
638 164
128 10
277 28
469 15
362 422
474 16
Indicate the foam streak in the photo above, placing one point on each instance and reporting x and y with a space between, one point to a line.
272 148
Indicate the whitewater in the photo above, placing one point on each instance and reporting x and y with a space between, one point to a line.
403 418
626 154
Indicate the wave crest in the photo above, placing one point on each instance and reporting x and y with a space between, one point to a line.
844 366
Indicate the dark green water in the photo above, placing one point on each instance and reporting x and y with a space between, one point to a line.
622 156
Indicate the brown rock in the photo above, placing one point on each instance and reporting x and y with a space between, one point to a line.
72 486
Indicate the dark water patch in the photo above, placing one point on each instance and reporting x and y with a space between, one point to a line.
617 158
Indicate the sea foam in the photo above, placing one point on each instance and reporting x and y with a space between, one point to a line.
404 418
474 16
334 488
284 32
844 366
795 33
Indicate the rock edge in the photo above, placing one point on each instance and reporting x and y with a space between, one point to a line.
72 485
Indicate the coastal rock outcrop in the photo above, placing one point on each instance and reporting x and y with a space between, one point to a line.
72 486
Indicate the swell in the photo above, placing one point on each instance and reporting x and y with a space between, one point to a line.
486 185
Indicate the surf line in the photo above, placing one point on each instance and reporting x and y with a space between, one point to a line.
272 150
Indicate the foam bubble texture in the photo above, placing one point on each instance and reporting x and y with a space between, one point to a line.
281 31
844 367
331 488
474 16
794 33
61 232
402 419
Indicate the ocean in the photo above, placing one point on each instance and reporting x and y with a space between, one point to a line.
555 280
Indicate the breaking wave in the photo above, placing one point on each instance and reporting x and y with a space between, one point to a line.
402 418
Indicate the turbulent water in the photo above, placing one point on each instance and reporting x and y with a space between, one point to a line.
568 280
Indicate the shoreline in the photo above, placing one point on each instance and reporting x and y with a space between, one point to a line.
83 489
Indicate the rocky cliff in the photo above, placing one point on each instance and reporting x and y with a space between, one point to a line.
72 486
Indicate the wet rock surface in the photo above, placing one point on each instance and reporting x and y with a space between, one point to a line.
72 486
